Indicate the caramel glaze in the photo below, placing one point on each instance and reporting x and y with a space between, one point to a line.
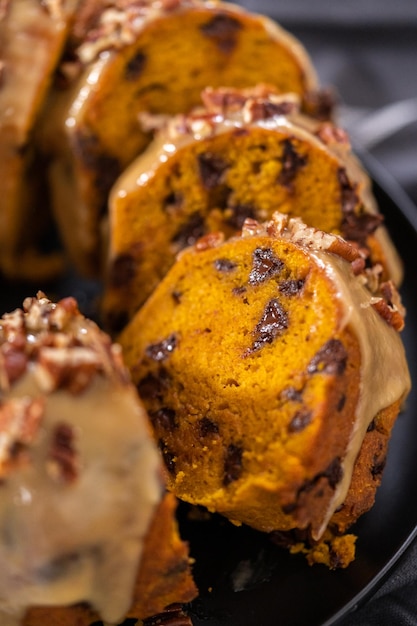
381 347
80 475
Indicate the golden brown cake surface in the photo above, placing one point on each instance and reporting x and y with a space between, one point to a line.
245 154
32 36
81 479
153 57
262 362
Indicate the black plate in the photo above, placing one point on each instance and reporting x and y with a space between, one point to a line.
243 578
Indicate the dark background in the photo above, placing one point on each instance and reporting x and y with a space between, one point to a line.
367 50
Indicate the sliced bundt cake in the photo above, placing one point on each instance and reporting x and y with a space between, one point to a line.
272 369
87 532
245 154
152 57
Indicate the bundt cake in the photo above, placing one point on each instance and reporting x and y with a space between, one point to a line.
87 532
32 36
245 154
272 369
148 56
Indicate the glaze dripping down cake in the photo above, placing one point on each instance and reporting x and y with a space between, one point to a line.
246 153
272 369
156 57
87 531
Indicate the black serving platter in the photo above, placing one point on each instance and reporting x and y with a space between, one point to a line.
246 580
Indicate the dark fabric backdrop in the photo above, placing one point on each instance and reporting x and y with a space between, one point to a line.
367 50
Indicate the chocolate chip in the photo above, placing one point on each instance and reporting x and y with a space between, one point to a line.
272 323
153 386
238 214
330 359
348 196
176 296
358 227
377 467
341 403
207 427
300 420
135 66
190 231
164 418
223 29
168 456
264 265
173 202
291 287
224 265
291 161
105 167
334 472
63 453
237 291
291 394
212 168
162 350
122 270
371 427
232 464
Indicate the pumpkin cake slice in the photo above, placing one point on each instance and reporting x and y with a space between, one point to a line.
245 154
154 57
87 532
272 369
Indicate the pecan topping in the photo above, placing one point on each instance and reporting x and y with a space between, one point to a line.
20 419
67 368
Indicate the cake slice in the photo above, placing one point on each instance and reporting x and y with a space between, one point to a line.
272 369
32 37
155 57
88 532
244 154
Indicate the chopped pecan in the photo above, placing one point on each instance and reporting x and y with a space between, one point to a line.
20 419
70 368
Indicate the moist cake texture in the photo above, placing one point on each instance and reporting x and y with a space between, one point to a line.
153 57
246 153
269 368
